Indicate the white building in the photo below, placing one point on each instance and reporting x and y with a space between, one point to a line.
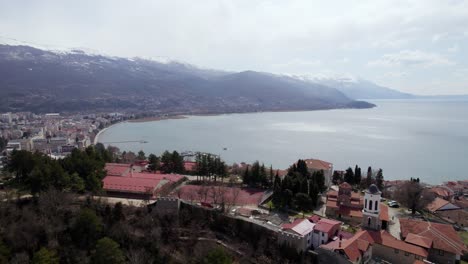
297 234
314 165
371 210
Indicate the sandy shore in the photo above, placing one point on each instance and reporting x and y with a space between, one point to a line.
140 120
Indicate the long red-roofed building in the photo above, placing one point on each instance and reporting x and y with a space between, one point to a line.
446 246
122 181
367 244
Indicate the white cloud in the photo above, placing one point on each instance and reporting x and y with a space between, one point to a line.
412 58
298 64
395 74
455 48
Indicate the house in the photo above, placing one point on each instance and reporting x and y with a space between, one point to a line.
443 192
440 240
324 231
440 204
314 165
455 217
377 245
297 234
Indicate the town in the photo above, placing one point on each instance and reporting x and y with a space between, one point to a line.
319 213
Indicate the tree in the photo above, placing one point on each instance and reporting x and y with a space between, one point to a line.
107 251
369 177
349 176
357 175
86 229
153 162
303 202
379 180
45 256
412 195
319 179
217 256
337 177
141 155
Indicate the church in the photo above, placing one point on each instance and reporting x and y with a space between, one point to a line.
355 209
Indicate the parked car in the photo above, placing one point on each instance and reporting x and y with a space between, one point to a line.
393 204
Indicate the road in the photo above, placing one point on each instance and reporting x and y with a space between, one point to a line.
394 225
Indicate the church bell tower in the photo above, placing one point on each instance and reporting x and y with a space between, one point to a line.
371 210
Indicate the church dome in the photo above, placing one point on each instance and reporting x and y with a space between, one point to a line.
373 189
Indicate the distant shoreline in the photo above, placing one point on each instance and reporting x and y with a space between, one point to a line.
155 118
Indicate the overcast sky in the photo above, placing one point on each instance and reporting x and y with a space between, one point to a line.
413 46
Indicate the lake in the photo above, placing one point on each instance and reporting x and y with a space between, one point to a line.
406 138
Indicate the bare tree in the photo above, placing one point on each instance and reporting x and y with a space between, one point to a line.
139 256
412 195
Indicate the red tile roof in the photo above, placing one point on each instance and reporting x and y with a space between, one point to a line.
156 176
444 237
328 226
386 239
384 212
419 240
117 169
442 191
190 166
318 164
438 203
314 218
131 185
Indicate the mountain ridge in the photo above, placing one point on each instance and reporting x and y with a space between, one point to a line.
45 81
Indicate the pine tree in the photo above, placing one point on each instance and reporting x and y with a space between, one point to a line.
369 177
357 175
379 180
349 176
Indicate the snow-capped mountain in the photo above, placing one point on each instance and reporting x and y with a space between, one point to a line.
47 81
355 87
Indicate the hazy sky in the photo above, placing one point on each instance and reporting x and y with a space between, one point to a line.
414 46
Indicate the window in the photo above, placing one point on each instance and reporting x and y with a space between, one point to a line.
376 205
441 252
366 204
368 221
406 253
370 205
417 257
396 251
323 234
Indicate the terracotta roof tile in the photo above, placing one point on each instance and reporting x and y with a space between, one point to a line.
444 237
317 164
419 240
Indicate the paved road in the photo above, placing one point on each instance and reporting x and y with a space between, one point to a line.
394 227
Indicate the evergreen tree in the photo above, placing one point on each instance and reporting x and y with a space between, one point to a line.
153 162
379 180
357 175
45 256
337 178
246 177
349 176
107 251
141 155
369 177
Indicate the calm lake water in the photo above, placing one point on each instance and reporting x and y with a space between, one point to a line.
406 138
